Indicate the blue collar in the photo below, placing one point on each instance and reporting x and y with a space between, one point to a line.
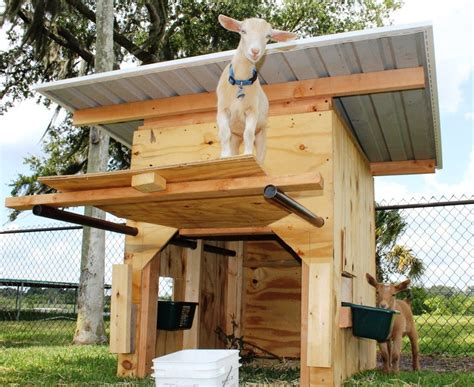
242 82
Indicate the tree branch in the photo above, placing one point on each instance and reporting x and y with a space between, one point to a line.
65 39
120 39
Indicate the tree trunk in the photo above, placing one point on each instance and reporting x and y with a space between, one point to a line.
90 323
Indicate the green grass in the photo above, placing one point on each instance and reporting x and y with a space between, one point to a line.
38 353
406 379
52 365
447 335
33 333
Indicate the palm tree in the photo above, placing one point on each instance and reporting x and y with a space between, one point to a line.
390 257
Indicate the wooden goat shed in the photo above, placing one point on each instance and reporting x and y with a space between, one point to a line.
343 108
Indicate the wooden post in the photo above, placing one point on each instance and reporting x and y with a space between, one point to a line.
142 254
234 289
121 309
148 316
192 293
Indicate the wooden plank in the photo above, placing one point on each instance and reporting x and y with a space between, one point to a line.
230 231
230 167
148 317
272 309
140 252
408 167
347 289
304 369
355 84
320 312
280 108
354 251
192 293
345 317
244 211
121 309
206 189
233 290
149 182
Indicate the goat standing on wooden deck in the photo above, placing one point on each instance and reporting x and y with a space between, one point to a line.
242 106
404 324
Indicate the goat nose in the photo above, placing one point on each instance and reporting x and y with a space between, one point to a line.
255 51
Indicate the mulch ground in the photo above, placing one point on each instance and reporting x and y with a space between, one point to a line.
437 363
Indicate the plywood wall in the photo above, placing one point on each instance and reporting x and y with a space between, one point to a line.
211 302
272 310
354 246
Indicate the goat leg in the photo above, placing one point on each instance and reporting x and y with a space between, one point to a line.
384 351
395 353
261 145
249 131
224 133
413 336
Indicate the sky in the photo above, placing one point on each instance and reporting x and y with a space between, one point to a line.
23 126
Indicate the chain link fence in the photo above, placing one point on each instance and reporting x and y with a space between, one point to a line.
439 234
39 282
40 268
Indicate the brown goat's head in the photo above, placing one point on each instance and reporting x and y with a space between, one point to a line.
386 292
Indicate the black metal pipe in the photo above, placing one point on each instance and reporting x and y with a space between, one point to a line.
271 193
43 229
54 213
191 244
424 205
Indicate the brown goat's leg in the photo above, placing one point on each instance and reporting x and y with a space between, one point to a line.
395 353
413 336
384 351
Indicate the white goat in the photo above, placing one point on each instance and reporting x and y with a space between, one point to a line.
242 106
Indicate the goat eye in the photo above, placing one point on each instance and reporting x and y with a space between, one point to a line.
243 32
269 36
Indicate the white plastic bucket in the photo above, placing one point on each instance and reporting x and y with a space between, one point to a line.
198 367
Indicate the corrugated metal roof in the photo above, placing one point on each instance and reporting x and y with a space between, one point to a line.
392 126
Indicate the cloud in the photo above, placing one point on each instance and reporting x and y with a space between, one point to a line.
452 29
464 186
469 116
25 123
387 189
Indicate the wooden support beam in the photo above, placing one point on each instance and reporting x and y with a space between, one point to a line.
234 289
149 182
280 108
192 293
148 317
207 189
345 317
409 167
142 254
121 309
355 84
222 232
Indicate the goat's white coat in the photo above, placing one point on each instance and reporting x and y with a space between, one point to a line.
245 118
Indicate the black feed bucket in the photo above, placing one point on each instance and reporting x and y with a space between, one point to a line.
173 316
371 323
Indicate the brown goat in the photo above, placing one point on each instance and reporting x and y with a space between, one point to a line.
403 325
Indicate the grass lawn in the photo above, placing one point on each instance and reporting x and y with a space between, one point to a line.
44 357
409 379
446 335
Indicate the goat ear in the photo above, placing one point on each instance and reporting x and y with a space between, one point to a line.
402 286
283 36
230 24
371 280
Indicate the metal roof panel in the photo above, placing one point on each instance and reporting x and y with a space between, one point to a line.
389 126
